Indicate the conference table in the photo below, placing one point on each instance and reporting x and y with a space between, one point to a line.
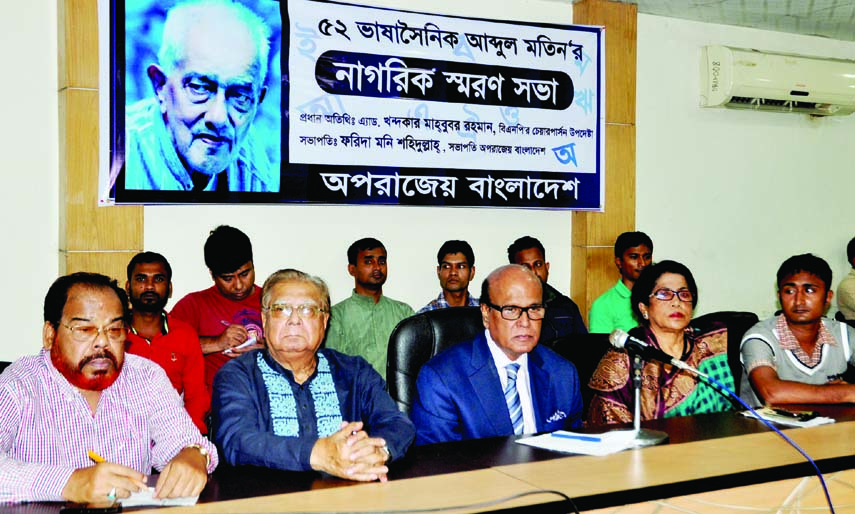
704 453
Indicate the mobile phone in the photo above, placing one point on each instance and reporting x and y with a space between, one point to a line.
801 415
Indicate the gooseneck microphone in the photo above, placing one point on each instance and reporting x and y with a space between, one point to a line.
620 339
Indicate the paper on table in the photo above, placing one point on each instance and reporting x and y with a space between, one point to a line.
146 497
585 444
770 415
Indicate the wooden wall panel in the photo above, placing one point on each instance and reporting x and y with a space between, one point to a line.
91 238
594 233
112 264
77 43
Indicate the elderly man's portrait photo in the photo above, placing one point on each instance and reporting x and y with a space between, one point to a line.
202 95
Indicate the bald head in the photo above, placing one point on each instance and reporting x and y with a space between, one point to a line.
509 273
512 286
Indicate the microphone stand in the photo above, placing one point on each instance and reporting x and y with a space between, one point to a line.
643 436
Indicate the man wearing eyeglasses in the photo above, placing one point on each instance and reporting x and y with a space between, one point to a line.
562 314
195 134
295 406
502 382
84 422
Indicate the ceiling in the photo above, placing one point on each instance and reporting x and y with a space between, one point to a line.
833 19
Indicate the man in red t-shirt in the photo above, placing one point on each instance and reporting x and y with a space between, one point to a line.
169 342
227 315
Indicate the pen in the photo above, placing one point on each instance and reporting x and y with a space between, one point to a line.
587 438
97 459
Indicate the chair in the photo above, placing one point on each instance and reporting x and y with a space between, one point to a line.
841 318
585 352
737 323
418 338
4 365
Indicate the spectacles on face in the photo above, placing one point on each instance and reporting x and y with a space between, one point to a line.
88 333
304 311
512 312
666 294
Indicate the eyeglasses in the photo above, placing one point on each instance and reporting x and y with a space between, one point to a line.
88 333
513 312
666 294
284 310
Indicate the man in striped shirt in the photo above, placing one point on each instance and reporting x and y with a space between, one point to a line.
83 422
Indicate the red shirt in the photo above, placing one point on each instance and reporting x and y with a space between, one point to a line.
209 312
177 351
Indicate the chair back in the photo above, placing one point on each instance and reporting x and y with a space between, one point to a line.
737 323
4 365
585 352
418 338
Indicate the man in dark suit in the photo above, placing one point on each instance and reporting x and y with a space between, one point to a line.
500 383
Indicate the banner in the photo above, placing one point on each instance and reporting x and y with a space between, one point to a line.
361 105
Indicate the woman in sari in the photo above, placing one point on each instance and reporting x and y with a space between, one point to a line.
663 299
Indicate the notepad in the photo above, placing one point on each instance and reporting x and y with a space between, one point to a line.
146 498
585 444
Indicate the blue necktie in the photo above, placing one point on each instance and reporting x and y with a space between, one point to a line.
512 397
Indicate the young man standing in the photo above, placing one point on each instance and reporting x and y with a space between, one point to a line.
163 339
633 253
562 314
455 268
361 325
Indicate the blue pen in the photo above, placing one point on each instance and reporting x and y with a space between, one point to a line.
587 438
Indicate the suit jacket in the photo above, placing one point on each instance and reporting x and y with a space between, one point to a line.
460 395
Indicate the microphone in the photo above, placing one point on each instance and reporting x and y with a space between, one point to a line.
620 339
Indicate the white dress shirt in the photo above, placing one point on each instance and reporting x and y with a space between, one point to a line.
500 360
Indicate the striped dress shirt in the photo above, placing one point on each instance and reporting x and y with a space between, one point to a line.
46 426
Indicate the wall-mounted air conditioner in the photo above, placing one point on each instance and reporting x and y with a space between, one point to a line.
750 79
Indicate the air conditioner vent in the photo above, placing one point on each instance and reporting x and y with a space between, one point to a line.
750 79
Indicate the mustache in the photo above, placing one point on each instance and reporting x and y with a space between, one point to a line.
103 354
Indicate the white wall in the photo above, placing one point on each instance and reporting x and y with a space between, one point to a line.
732 194
29 205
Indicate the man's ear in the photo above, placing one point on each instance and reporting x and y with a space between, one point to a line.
169 291
351 269
828 298
485 315
617 263
48 335
158 80
471 273
262 95
437 270
128 287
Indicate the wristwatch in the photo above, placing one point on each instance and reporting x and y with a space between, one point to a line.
203 451
385 450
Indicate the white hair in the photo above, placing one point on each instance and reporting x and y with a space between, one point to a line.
181 18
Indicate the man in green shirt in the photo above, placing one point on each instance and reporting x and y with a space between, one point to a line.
361 325
633 253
